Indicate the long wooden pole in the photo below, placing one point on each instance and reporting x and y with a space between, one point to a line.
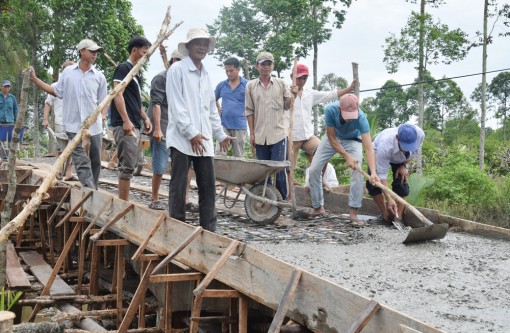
36 200
291 144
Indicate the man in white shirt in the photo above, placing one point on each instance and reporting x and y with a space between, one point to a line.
305 99
394 147
82 88
193 122
60 132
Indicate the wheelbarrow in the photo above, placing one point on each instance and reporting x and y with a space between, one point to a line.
263 202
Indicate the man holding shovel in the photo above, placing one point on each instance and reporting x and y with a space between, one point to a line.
394 147
348 132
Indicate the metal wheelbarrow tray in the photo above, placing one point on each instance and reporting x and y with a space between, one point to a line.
263 203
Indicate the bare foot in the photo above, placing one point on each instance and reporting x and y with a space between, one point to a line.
317 212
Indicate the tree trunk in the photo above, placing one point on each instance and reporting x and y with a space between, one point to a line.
37 132
5 216
481 156
421 106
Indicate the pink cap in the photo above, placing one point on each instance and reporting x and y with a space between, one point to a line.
349 107
302 70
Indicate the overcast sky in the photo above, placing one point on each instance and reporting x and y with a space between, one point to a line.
368 23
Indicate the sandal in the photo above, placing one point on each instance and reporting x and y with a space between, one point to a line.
191 207
156 205
357 222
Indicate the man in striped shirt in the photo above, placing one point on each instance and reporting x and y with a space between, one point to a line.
267 99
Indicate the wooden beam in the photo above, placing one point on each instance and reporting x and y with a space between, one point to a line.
112 222
175 277
364 317
74 209
287 297
16 277
25 191
216 268
112 242
142 246
218 293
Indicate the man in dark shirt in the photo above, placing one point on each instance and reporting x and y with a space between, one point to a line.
127 113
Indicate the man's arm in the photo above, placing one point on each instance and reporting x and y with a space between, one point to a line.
46 112
40 83
366 140
252 129
146 120
156 115
341 92
338 147
120 104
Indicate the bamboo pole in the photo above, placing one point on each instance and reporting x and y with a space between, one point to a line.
291 144
36 200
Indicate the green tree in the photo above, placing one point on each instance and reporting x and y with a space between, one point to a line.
391 105
446 101
499 92
331 81
424 42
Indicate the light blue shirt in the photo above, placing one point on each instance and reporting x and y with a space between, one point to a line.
387 150
81 94
346 130
192 108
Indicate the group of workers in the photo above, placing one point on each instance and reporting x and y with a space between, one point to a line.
186 116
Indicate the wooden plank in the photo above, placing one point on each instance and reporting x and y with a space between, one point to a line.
255 274
287 297
112 222
219 293
175 277
74 208
112 242
142 247
16 277
475 228
405 329
364 317
25 191
42 271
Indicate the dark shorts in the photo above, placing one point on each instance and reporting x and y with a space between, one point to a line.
399 187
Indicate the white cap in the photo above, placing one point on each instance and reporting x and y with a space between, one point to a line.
89 45
196 33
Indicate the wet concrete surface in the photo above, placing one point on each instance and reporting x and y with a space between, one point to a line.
458 284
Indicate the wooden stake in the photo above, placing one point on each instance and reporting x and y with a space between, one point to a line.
291 144
287 297
96 236
355 76
74 209
364 317
142 246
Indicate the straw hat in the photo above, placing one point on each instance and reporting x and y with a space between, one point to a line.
194 34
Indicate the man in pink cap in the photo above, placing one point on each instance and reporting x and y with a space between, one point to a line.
348 132
305 99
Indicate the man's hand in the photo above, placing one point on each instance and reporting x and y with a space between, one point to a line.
351 162
129 128
392 207
352 87
307 188
33 76
225 143
45 122
148 126
158 135
252 139
294 90
197 145
374 179
403 173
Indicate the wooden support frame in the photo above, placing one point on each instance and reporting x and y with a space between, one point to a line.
142 246
112 222
74 209
287 297
364 317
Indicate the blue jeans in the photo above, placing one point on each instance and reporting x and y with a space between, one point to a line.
324 152
160 156
275 152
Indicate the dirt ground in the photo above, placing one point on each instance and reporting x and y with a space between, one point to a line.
459 284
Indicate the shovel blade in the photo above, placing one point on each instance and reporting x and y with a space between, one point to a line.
435 231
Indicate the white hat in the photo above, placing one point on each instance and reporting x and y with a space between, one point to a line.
195 33
176 54
89 45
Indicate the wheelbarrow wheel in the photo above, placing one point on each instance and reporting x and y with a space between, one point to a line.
262 212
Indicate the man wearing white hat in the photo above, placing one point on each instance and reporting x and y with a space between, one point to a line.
82 88
193 122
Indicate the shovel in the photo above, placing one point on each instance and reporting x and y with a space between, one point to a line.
431 230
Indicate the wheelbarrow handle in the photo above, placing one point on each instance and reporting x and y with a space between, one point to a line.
395 196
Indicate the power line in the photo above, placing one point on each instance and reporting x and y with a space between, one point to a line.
430 81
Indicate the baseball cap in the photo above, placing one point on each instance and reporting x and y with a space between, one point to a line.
263 56
6 83
302 70
408 137
349 107
89 45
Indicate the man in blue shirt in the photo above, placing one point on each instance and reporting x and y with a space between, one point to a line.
347 132
8 104
232 94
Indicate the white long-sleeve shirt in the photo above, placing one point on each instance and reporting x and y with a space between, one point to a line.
192 108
